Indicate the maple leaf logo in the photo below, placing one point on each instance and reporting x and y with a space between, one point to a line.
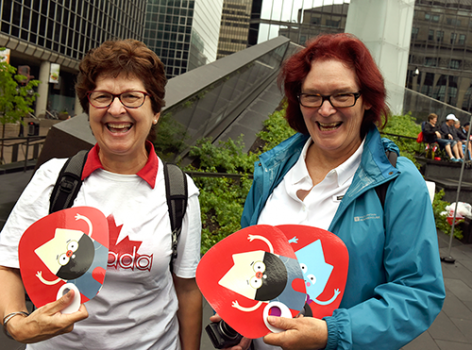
124 254
126 246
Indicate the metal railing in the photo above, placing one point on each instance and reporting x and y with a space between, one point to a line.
16 143
398 136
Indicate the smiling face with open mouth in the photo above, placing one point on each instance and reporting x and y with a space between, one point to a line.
336 132
121 132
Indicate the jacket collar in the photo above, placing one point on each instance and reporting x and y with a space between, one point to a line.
148 173
375 169
288 152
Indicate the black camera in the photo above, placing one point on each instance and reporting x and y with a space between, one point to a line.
222 335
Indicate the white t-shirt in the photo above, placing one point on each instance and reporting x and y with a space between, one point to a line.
319 206
136 307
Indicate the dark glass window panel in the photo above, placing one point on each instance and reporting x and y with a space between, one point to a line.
50 28
34 22
6 11
16 14
44 8
15 31
52 9
70 38
58 17
24 34
76 41
26 18
88 30
57 34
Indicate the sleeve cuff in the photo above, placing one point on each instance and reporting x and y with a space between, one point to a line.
332 333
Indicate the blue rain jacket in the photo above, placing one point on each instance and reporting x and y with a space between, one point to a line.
395 287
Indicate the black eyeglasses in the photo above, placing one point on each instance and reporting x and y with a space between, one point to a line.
129 99
343 100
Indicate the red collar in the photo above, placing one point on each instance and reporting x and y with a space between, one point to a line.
148 173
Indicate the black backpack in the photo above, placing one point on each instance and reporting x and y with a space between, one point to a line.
69 182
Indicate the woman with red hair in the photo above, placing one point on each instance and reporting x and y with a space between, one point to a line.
326 176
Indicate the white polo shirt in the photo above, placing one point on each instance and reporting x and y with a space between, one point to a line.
319 206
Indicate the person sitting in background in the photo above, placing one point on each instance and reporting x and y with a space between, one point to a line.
432 134
465 129
448 131
462 135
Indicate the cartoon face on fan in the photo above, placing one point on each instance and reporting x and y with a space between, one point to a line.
69 255
264 277
316 272
74 256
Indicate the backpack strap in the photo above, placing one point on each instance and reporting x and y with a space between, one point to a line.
177 197
68 183
382 189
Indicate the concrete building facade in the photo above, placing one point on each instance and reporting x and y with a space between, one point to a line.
440 61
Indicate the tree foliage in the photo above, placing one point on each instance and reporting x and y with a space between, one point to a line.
16 98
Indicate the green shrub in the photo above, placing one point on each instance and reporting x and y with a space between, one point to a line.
276 129
404 125
171 137
222 198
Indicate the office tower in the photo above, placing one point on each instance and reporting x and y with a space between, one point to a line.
183 33
44 32
234 26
